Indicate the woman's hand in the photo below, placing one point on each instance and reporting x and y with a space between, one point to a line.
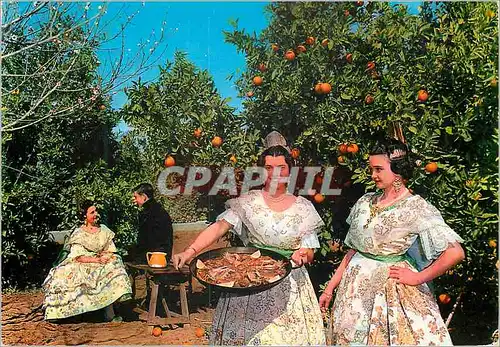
324 301
405 276
103 259
180 259
302 256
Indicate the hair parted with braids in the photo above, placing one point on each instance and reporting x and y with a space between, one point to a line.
398 152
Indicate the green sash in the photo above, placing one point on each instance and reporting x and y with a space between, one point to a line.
390 258
284 252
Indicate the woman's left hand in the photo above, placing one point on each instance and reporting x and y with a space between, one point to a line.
405 276
300 256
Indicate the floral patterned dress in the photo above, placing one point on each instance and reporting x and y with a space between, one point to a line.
72 287
370 308
288 313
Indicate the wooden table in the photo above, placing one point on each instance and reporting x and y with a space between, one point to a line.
165 276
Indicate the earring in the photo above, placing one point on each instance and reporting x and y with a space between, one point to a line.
397 184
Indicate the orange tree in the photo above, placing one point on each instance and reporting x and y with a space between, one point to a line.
180 119
330 75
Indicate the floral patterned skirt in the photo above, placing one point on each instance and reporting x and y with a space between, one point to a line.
286 314
371 309
73 288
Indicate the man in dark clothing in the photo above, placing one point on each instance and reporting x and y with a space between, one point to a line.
155 226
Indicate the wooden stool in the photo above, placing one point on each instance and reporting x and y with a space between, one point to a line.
168 277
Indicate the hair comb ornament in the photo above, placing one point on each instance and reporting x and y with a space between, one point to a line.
274 138
397 154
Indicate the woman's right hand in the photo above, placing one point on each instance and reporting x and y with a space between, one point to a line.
180 259
324 301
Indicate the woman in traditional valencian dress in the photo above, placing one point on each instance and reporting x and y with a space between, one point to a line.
382 297
91 276
288 313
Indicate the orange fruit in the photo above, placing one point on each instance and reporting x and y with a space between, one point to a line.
250 94
318 179
156 331
301 49
348 58
317 89
370 65
340 159
492 243
325 88
295 153
343 148
262 67
422 95
369 99
353 148
319 198
478 196
102 107
431 167
493 82
490 14
199 332
325 42
257 80
197 133
444 299
275 47
233 159
359 3
290 55
310 40
169 161
217 141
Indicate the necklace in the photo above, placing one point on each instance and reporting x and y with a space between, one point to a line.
275 199
375 209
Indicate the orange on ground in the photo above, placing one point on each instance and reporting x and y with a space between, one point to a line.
156 331
199 332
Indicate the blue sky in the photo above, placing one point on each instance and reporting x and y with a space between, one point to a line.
196 28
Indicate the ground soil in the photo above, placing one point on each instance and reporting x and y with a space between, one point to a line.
23 321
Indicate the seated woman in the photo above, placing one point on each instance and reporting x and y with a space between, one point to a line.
91 277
